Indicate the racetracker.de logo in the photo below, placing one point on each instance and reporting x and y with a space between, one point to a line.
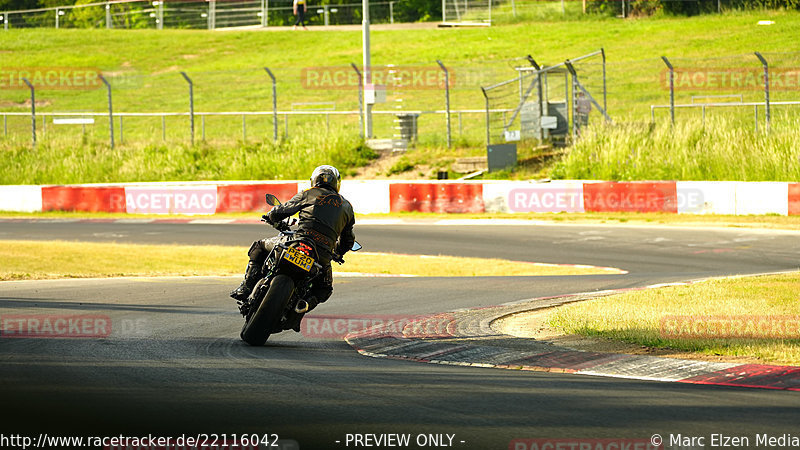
55 326
50 78
568 199
585 444
395 77
732 79
730 327
337 327
177 200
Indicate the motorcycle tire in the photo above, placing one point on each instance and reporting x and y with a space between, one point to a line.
257 330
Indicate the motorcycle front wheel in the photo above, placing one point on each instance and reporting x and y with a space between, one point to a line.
257 330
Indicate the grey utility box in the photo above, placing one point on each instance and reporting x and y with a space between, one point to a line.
501 156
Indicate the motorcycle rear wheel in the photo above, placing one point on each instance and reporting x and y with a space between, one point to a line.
257 330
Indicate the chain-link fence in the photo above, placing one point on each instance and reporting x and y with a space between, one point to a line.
192 14
467 12
546 103
240 105
733 85
525 99
214 14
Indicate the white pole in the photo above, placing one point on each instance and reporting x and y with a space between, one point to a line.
367 68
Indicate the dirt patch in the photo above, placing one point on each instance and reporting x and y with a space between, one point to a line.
533 325
167 70
379 169
540 161
24 104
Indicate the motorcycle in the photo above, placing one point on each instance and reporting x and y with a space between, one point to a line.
278 301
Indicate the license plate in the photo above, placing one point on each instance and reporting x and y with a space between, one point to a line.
298 258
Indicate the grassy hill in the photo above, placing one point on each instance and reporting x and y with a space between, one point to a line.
228 65
227 69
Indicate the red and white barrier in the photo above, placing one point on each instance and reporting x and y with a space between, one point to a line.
23 198
439 197
794 199
706 197
384 196
521 196
658 196
762 198
368 196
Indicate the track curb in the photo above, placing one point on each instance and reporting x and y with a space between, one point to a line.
465 338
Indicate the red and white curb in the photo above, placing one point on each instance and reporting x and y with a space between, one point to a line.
386 196
455 339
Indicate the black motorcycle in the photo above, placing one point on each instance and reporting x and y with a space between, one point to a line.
278 301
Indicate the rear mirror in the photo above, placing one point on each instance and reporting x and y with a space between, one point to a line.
272 200
356 247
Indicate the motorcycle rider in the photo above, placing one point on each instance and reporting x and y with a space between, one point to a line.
326 218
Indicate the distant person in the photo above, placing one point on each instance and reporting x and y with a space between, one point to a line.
299 8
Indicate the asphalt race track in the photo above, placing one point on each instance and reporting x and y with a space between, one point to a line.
173 362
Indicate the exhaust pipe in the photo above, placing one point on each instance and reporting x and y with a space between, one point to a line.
301 307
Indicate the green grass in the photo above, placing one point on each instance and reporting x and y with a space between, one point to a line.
93 259
290 159
227 69
637 317
720 150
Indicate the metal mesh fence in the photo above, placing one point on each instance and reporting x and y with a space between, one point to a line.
192 14
238 104
732 86
546 102
467 12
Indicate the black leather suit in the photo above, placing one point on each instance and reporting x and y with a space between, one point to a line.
326 218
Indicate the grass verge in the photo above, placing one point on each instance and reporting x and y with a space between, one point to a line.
226 68
757 317
292 159
712 150
144 67
89 259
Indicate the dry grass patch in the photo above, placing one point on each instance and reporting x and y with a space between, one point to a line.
756 317
61 259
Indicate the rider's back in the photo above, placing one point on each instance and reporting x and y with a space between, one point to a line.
325 216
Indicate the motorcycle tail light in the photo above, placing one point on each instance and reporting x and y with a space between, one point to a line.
305 248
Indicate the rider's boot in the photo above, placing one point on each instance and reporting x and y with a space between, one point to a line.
251 276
